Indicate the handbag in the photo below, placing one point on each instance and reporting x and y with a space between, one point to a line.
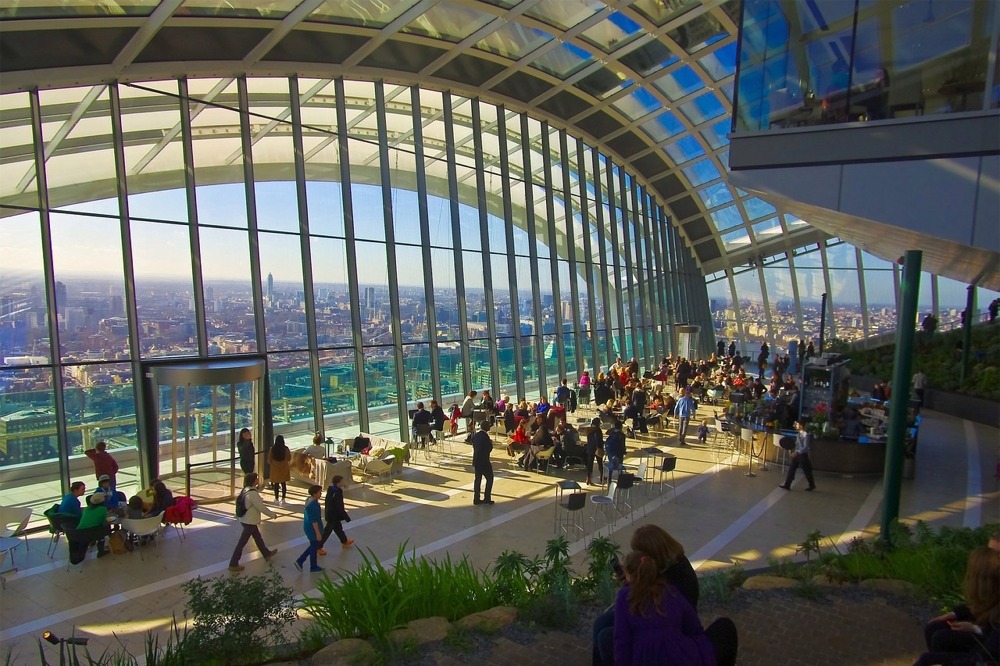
116 543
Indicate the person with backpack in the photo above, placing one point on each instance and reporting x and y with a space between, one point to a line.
249 507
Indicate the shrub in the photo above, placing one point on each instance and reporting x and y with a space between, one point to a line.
235 618
373 600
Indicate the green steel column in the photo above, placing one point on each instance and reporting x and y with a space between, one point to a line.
898 407
970 308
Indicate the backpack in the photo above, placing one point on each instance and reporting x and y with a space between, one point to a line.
241 504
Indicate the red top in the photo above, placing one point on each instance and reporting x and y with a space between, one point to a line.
104 463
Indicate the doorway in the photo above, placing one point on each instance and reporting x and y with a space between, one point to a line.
198 409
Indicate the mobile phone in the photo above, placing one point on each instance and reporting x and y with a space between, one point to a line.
616 566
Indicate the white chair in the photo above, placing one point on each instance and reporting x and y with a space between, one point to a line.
640 477
380 468
13 521
143 527
606 503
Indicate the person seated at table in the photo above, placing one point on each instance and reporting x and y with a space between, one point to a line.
522 412
540 441
111 498
509 420
135 509
437 416
519 439
487 405
536 422
420 417
93 525
543 405
162 498
70 505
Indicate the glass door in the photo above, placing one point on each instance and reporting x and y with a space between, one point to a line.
199 410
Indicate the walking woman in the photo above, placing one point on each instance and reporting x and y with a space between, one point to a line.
246 451
279 460
595 451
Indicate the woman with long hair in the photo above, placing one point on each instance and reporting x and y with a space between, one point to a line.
279 460
595 451
246 451
969 634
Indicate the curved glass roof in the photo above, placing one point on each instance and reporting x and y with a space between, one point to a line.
649 82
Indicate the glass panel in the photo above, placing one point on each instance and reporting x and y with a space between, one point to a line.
684 149
164 292
417 369
781 299
99 405
681 82
474 296
717 135
277 203
722 62
72 117
637 104
480 364
449 21
369 222
703 108
659 12
720 303
715 195
513 40
613 32
368 13
563 60
726 218
229 308
49 9
699 32
291 390
154 154
445 294
380 380
24 337
284 295
339 387
326 207
240 8
18 182
87 258
412 298
663 126
333 308
701 172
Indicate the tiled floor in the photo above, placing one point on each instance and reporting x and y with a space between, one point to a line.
719 514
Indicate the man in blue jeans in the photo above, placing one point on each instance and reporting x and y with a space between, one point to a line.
684 410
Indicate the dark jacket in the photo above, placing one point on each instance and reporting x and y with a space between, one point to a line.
482 446
335 505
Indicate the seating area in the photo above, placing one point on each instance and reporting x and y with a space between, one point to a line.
429 503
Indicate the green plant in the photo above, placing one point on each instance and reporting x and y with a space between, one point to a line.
807 589
458 639
374 600
313 637
600 582
810 545
236 618
783 567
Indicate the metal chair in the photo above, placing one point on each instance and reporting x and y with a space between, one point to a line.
57 526
13 521
572 515
668 466
640 478
422 435
606 503
623 501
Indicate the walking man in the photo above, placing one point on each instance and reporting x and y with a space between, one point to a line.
249 507
482 447
312 525
800 456
684 410
335 513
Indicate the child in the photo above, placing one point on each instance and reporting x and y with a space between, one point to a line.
335 513
135 508
703 432
312 525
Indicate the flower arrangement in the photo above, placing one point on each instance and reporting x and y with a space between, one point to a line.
820 417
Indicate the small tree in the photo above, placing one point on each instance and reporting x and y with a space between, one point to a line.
236 619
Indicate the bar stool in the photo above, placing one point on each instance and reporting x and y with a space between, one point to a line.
746 441
571 519
667 467
623 501
605 503
562 487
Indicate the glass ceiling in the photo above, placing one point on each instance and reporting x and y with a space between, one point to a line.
650 82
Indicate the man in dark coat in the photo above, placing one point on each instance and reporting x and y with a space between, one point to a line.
482 447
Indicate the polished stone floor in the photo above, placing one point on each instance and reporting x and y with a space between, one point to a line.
717 512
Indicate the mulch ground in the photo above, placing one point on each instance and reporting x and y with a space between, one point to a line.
847 626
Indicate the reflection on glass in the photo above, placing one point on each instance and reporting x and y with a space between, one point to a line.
164 295
24 338
229 309
90 287
338 386
284 295
291 389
